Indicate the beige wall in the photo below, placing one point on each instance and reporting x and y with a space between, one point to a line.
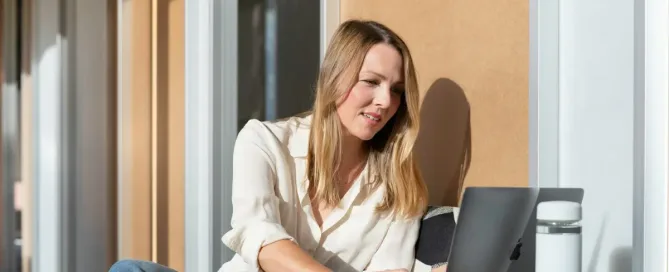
472 60
135 149
170 132
152 127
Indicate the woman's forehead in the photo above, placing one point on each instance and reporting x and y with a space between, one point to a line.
383 61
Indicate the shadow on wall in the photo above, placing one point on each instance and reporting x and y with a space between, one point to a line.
621 259
444 144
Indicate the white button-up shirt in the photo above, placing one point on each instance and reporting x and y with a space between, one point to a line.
270 203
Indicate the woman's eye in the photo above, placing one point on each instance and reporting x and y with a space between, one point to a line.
398 90
371 82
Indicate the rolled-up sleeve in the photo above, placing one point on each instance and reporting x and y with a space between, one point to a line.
397 249
255 215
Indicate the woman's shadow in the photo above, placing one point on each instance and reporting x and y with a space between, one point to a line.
444 144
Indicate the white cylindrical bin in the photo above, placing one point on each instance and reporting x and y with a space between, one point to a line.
558 243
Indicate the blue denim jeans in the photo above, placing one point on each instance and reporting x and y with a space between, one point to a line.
138 266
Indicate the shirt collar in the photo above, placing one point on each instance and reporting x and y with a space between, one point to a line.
298 145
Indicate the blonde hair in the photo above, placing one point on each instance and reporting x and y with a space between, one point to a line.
391 159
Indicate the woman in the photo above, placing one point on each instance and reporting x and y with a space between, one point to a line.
338 189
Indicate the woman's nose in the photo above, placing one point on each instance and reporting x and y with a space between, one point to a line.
382 97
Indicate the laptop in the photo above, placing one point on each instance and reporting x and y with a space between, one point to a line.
496 227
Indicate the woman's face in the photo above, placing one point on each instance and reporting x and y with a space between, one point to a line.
375 97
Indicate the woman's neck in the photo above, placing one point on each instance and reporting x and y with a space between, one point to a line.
353 150
353 159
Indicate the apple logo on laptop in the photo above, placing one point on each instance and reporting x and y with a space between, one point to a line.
515 254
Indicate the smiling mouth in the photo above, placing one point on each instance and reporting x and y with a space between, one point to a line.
371 117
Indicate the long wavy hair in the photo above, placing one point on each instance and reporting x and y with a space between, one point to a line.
391 160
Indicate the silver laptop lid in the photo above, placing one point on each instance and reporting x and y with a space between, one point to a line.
489 228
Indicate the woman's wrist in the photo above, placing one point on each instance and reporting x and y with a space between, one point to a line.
285 255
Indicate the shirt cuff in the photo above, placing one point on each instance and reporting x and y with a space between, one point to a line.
248 240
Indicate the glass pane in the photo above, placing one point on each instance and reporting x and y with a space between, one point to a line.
278 57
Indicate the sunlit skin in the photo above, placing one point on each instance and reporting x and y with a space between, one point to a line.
364 110
376 96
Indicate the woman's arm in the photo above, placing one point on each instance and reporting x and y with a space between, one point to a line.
285 255
257 234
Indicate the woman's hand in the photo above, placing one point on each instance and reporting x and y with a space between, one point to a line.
439 269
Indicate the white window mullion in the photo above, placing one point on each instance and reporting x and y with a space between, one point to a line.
544 93
329 19
199 211
47 64
656 171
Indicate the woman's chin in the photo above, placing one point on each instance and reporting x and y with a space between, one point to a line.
365 136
